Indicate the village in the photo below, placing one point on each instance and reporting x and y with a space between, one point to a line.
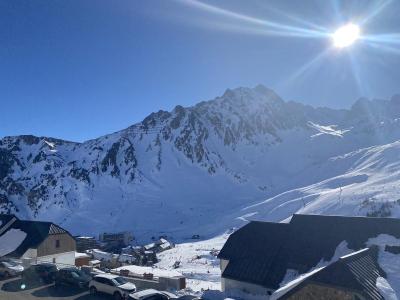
261 260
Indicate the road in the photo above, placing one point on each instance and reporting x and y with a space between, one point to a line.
12 289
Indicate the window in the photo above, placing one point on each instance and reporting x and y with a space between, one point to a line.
109 282
57 243
119 281
100 280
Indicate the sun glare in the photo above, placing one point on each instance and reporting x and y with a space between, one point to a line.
346 35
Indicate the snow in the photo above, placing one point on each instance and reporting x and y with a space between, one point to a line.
11 240
197 264
292 284
325 154
385 289
341 251
389 262
80 255
328 129
140 270
292 278
101 255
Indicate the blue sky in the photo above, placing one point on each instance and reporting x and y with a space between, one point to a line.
82 68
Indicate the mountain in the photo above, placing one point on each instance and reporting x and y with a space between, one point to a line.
206 168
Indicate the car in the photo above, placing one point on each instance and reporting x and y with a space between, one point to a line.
114 285
45 272
151 294
72 277
9 268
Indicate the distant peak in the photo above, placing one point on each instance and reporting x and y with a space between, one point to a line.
258 89
262 89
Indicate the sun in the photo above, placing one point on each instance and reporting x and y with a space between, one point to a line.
346 35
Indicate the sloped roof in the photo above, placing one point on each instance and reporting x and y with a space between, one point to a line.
36 232
252 249
4 219
356 272
262 252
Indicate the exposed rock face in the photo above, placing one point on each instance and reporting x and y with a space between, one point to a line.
181 164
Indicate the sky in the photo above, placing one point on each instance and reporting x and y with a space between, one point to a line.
80 69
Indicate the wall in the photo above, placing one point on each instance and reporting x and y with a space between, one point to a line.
48 246
230 284
82 261
64 259
315 291
222 264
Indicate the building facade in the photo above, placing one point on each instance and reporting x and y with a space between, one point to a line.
39 241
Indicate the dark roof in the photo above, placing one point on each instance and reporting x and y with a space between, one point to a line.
4 219
36 233
261 252
249 261
357 272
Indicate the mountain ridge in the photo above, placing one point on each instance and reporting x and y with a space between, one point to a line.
190 164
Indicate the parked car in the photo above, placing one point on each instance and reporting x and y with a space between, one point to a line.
72 277
9 268
45 272
189 297
152 294
110 284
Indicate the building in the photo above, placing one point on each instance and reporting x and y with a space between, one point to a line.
84 243
81 259
351 277
259 256
34 241
119 238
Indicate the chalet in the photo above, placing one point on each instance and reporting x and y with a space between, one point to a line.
259 256
34 241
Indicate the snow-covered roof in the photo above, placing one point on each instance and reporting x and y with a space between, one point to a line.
292 284
358 271
252 249
101 255
25 234
10 241
150 246
80 255
95 262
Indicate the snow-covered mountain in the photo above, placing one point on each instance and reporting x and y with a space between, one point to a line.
203 169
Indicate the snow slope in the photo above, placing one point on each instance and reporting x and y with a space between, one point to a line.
198 262
176 173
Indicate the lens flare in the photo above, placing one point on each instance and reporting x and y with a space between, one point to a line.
346 35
